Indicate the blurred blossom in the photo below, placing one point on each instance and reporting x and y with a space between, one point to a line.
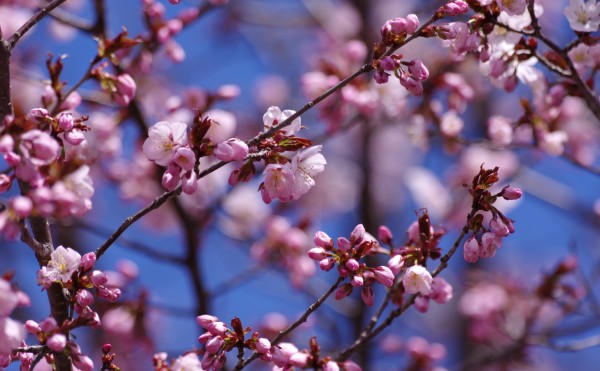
245 211
428 191
271 90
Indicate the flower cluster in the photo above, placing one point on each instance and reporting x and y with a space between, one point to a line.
347 256
484 241
55 187
219 339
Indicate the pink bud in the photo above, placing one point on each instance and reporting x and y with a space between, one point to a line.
214 344
385 235
343 291
352 265
57 342
357 281
442 291
317 253
65 121
511 193
39 113
383 275
48 325
418 70
326 264
217 328
84 298
83 363
498 227
321 239
263 345
421 303
98 278
32 327
5 182
367 295
388 63
357 234
412 23
490 242
343 244
21 206
189 183
471 250
300 360
87 261
396 263
126 89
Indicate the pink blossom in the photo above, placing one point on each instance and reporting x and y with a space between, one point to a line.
213 345
489 243
83 362
21 206
164 138
411 84
205 320
583 17
499 130
217 328
512 7
422 304
451 124
306 165
189 183
441 291
39 147
455 7
282 353
511 193
279 182
57 342
331 366
274 116
299 359
66 121
84 298
396 263
8 298
384 275
263 345
321 239
326 264
185 158
187 362
418 70
498 227
63 263
318 253
553 143
88 261
385 235
125 89
98 278
5 182
343 291
412 23
417 280
471 249
12 334
231 150
367 296
352 265
48 325
357 281
343 244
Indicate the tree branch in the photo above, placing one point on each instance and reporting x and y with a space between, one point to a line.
41 13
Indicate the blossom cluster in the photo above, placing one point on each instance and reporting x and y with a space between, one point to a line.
484 241
55 186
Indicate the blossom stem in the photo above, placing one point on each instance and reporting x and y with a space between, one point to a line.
38 16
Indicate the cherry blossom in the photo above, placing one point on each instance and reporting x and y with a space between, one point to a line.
275 116
583 17
305 166
417 280
164 139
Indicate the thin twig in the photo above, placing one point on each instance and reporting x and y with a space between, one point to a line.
38 16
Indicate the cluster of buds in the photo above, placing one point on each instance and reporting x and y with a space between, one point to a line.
32 146
421 245
485 240
286 356
347 255
219 339
122 87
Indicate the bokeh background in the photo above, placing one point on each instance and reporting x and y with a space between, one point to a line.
379 172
